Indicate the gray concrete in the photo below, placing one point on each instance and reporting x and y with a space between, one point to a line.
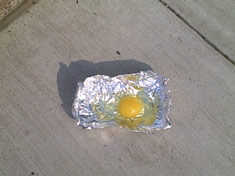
214 19
44 53
10 10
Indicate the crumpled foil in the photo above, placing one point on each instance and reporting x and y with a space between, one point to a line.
101 91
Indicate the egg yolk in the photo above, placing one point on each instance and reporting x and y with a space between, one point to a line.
129 106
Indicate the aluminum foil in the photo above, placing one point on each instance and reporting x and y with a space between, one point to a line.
96 101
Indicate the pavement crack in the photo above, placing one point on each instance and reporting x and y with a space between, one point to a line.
195 30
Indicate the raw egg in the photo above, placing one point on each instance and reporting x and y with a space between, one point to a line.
138 101
129 106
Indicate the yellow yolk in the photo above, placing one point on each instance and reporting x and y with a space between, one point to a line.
129 106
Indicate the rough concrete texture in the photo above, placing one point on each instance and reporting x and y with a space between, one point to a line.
214 20
55 44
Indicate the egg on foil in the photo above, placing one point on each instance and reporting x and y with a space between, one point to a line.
137 101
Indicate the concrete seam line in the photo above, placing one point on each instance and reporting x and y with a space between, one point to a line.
195 30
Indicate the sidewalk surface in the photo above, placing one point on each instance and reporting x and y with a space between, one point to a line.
57 43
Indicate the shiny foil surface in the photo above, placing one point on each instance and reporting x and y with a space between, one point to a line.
96 101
